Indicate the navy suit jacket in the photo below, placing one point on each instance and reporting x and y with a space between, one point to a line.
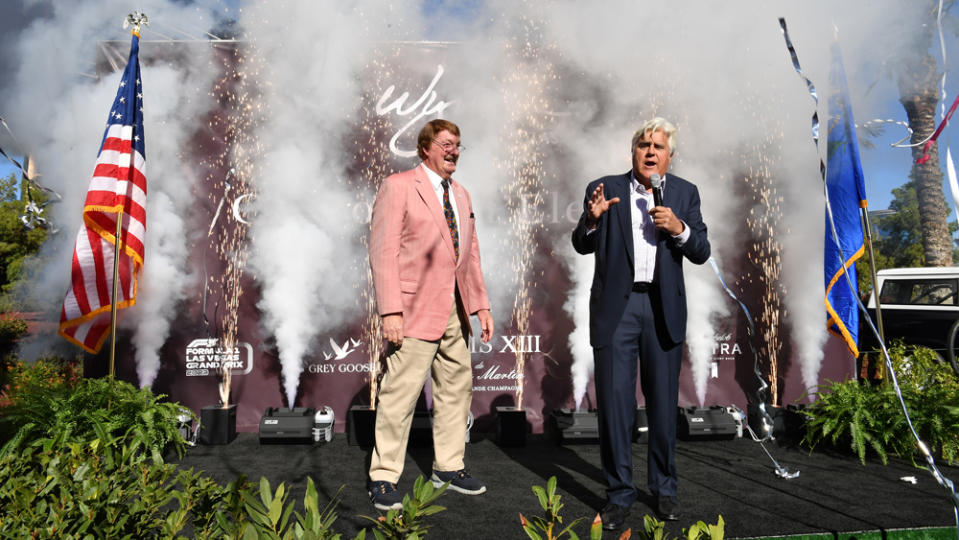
612 245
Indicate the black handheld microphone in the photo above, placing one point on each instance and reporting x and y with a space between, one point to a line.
657 182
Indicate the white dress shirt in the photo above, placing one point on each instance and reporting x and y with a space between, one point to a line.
644 231
437 182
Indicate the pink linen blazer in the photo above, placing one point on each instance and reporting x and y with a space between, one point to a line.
415 270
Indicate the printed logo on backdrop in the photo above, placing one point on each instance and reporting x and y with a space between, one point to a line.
424 105
339 359
725 348
205 356
498 373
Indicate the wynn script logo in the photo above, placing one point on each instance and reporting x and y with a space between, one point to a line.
425 105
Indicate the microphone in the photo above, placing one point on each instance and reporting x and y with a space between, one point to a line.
657 182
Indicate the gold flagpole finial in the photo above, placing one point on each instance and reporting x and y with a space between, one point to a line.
136 19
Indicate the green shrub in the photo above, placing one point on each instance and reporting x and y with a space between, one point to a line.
869 419
27 379
655 529
43 406
102 488
549 526
24 382
12 327
408 523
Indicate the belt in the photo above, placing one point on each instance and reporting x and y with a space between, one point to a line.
642 286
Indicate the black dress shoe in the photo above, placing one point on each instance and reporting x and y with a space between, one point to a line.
613 516
667 508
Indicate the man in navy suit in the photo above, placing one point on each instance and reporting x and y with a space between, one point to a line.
637 310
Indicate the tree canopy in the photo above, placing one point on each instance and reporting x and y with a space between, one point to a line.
897 237
16 240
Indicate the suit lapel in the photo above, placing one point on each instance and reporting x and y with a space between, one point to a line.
464 216
669 191
425 190
624 213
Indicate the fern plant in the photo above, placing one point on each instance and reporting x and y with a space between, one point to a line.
869 419
37 411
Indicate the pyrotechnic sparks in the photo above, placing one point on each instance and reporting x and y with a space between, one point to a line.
765 251
526 93
235 135
373 165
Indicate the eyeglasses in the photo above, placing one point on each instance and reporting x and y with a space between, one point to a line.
448 146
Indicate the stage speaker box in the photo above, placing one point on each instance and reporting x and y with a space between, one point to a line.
511 426
287 426
421 428
706 423
217 424
361 426
568 426
641 426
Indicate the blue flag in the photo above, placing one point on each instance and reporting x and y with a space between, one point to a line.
847 195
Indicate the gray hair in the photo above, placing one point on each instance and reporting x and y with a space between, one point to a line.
654 125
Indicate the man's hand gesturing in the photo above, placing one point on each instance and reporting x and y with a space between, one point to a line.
598 205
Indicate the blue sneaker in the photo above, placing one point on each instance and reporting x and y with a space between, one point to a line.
459 481
385 496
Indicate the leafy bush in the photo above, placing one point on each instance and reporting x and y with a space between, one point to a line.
23 382
407 523
654 529
269 515
866 418
43 405
551 504
43 376
11 327
103 488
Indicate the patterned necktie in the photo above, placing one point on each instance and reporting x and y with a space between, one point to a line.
450 218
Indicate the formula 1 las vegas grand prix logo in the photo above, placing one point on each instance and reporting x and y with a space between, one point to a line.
205 357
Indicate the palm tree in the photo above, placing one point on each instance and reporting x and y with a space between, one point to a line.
917 76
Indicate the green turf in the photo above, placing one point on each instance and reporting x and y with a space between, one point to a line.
931 533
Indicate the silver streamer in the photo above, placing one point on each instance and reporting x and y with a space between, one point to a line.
762 393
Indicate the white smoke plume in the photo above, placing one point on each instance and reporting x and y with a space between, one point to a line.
306 234
706 303
577 306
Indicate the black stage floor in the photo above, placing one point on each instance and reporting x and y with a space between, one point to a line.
733 478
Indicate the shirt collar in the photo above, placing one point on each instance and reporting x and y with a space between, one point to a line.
435 179
635 185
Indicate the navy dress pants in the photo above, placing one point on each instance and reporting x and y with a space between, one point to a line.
639 343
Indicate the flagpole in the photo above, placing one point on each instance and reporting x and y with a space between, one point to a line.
867 234
135 20
116 290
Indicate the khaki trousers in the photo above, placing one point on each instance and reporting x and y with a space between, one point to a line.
448 360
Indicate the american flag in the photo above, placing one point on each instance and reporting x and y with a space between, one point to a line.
118 184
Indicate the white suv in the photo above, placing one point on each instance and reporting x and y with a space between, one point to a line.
920 306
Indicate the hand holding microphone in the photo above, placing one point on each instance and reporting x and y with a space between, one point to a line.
657 183
663 216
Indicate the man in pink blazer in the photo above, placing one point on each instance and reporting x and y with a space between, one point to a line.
427 278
